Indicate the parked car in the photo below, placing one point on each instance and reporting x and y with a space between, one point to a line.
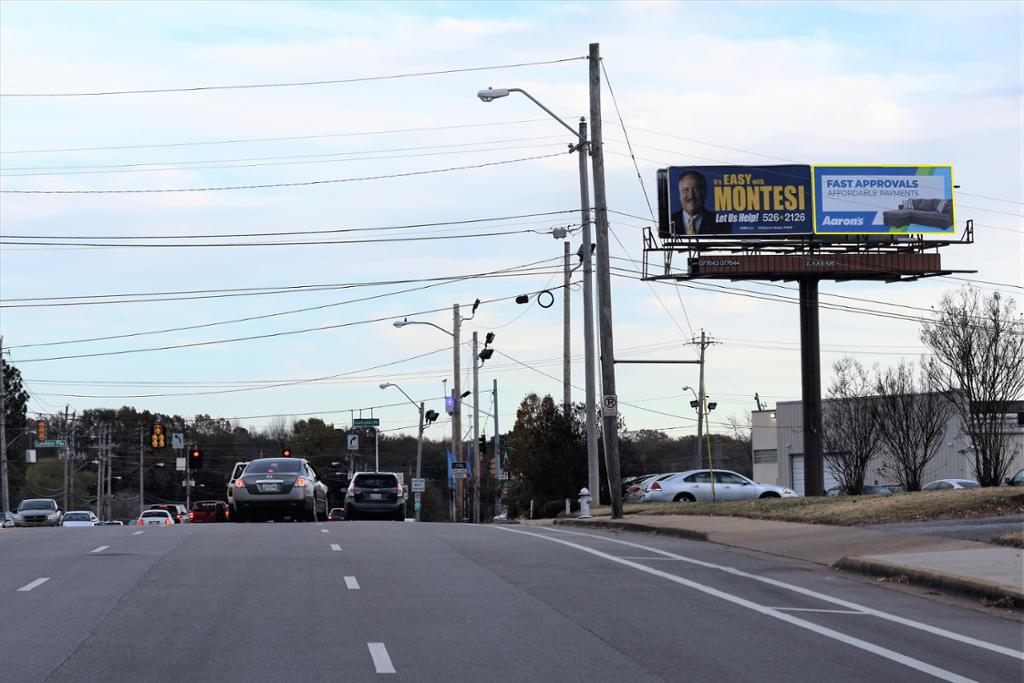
176 510
336 515
7 519
1016 480
865 491
695 485
636 490
155 518
279 487
38 512
375 493
209 511
949 484
77 518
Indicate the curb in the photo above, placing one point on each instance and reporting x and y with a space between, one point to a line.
934 579
688 534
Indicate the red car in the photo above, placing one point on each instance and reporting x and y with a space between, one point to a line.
209 511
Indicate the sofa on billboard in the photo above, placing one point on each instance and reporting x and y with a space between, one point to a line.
933 213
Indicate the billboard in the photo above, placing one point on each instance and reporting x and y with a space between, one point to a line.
735 201
886 199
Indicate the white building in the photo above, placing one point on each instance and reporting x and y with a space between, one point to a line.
777 442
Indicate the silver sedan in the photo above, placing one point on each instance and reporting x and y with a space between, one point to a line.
696 485
279 487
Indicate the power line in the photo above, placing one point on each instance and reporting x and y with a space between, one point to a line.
295 84
305 183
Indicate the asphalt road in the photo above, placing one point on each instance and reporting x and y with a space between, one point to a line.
358 601
982 529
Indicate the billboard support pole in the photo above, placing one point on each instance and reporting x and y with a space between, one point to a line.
810 379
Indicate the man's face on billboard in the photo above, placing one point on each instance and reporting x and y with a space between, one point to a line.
691 194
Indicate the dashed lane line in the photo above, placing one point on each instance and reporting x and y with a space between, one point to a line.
136 533
100 549
35 584
351 583
335 546
381 660
325 531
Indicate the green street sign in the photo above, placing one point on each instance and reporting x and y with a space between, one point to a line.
51 443
366 422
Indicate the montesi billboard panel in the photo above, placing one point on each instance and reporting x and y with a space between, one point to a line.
734 201
888 200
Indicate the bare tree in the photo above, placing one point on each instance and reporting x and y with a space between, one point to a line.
912 416
850 428
979 345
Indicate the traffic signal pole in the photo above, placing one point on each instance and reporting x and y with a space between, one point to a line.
476 431
142 480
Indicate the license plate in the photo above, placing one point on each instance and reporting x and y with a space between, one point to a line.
376 496
269 488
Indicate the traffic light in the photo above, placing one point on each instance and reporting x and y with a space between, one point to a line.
286 453
41 430
449 404
195 459
483 445
430 416
157 438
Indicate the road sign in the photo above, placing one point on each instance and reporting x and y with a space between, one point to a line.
419 485
179 464
458 470
610 405
353 442
178 441
503 476
51 443
366 422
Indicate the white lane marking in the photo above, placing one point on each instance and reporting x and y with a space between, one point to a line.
381 661
100 549
29 586
823 611
892 655
335 546
934 630
136 533
325 531
351 583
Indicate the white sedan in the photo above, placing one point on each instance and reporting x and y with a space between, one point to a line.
155 518
80 518
695 485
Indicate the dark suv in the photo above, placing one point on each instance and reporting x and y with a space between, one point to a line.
375 493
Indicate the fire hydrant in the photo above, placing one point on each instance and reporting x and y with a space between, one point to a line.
584 503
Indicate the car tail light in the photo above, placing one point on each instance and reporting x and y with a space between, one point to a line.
168 521
352 488
191 515
399 489
300 481
239 483
227 514
141 523
655 486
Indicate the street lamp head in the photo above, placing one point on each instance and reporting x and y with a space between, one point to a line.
385 385
687 388
492 94
400 323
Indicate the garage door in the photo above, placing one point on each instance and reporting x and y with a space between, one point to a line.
796 468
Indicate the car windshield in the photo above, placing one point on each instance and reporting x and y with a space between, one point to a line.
274 466
968 484
76 517
377 481
36 505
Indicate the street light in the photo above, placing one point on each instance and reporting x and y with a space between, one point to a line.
457 321
419 444
582 146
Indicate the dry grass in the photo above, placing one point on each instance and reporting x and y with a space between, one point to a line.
1014 539
853 510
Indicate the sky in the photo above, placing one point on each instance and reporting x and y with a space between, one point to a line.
443 189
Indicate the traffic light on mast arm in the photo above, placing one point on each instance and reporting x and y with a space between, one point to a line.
483 445
286 453
195 459
41 430
157 437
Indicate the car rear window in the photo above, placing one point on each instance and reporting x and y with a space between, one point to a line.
156 513
76 517
283 465
206 506
377 481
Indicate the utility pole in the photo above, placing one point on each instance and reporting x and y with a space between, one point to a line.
100 481
3 432
457 408
701 403
566 337
586 249
604 288
419 462
476 432
497 449
110 471
67 455
142 481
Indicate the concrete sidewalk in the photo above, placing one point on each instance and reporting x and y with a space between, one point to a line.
950 565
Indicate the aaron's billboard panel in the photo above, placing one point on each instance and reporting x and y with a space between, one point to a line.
888 200
734 201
